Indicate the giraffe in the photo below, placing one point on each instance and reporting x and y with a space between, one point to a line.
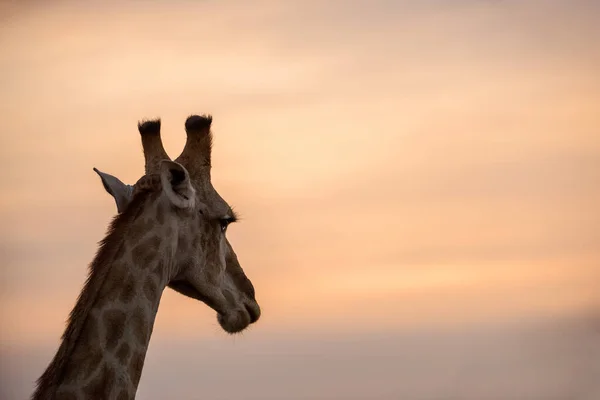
169 231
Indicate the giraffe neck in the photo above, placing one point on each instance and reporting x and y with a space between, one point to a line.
108 358
104 346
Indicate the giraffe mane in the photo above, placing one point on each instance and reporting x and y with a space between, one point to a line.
98 270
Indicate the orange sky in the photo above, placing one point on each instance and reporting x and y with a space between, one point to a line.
398 165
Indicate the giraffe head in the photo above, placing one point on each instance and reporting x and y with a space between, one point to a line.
187 212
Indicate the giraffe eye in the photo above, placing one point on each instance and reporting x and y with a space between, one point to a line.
224 223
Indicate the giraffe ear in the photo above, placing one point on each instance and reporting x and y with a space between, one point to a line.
121 192
176 184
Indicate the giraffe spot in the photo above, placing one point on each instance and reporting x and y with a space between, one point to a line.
65 395
135 367
123 395
123 353
127 289
92 362
114 323
86 358
168 231
140 325
151 289
159 271
121 252
144 252
100 387
83 364
140 228
89 333
112 285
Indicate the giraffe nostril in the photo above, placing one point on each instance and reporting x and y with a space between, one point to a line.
229 297
254 313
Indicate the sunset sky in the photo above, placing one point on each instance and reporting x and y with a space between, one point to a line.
419 186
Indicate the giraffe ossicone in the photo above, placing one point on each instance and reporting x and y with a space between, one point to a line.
169 231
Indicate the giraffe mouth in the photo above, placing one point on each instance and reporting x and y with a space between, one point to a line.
232 321
189 290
